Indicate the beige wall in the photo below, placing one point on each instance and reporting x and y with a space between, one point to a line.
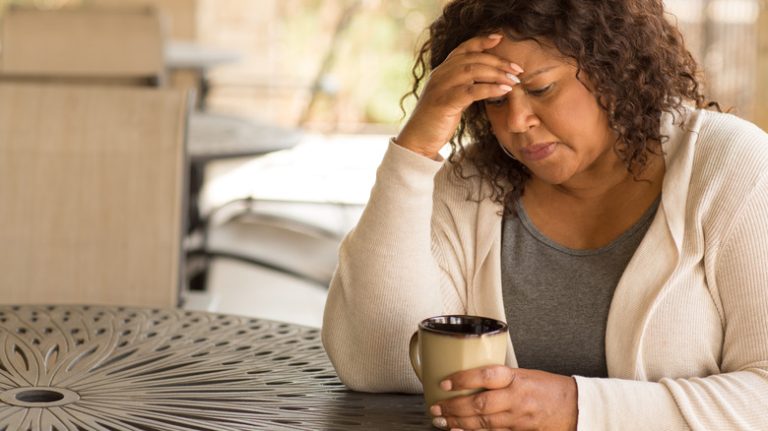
761 117
182 15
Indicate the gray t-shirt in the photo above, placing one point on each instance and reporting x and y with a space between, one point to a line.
556 299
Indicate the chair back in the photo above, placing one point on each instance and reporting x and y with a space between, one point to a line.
92 45
92 185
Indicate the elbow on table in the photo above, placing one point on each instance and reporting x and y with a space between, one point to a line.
358 381
360 374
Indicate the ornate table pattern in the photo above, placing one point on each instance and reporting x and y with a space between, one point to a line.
87 368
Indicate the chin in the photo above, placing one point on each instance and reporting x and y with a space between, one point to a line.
551 177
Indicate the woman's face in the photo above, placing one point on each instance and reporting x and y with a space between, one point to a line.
551 122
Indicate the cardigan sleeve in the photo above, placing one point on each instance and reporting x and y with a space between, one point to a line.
736 399
388 279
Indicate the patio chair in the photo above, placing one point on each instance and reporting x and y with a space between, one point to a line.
92 190
264 234
87 45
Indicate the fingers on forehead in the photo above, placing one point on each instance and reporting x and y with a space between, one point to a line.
477 44
490 59
487 60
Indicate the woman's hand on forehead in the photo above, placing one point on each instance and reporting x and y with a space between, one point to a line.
468 74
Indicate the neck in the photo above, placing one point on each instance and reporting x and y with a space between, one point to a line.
592 210
600 182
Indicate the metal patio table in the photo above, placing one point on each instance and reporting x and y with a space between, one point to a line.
118 368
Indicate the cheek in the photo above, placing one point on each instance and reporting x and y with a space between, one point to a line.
496 119
576 116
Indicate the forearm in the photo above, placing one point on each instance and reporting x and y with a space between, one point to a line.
627 405
733 401
386 280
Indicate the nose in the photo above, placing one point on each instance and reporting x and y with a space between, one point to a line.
520 115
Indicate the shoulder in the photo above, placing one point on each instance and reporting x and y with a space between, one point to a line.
729 170
463 197
723 125
728 143
728 151
458 182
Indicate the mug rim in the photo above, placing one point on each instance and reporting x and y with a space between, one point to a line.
503 327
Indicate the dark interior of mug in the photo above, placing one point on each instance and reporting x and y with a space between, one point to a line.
474 325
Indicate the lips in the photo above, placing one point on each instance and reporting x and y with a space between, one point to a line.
537 152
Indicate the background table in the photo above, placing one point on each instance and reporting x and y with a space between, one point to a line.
189 63
95 368
217 137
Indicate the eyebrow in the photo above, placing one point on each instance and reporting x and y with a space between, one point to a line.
529 76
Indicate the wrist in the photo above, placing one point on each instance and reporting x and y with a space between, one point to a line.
413 147
574 403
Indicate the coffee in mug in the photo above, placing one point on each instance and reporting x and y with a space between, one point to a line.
444 345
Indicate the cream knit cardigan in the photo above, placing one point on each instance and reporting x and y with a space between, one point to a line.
687 331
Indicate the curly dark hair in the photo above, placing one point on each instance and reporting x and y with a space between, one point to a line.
636 62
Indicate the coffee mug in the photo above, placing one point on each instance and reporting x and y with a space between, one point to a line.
444 345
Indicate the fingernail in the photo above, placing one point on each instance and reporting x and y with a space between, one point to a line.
506 88
516 68
513 78
456 429
446 385
440 423
494 36
436 410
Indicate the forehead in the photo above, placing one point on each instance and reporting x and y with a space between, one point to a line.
528 52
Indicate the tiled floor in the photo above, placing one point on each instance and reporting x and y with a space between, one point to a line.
307 198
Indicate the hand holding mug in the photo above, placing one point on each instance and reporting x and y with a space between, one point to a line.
515 399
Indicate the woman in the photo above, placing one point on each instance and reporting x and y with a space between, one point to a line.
590 201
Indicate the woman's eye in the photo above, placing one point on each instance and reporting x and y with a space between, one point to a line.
494 101
538 91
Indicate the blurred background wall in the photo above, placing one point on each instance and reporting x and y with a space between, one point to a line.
342 65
